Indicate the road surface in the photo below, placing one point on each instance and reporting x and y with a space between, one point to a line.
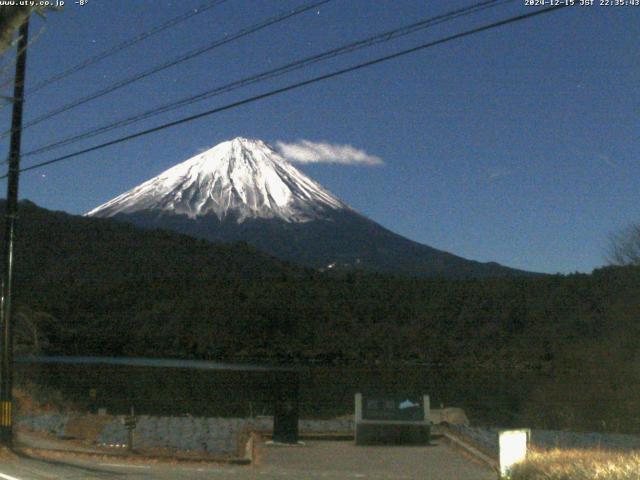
328 460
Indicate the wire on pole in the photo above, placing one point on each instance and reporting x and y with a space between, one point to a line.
295 86
272 73
123 45
182 58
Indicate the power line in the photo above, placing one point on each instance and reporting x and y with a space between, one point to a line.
294 86
115 49
182 58
125 44
296 65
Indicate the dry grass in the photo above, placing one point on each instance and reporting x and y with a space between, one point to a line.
579 465
35 400
86 427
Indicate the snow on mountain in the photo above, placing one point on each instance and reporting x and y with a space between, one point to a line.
240 178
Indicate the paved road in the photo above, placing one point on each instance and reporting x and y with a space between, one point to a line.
316 460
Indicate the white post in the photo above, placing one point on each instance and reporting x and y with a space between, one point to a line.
358 416
513 449
358 407
427 408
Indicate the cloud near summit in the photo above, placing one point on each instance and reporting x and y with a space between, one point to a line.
306 151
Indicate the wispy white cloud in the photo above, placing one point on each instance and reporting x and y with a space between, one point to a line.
494 174
306 151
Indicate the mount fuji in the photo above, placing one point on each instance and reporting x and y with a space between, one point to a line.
243 190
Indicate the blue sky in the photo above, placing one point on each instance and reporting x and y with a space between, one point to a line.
519 145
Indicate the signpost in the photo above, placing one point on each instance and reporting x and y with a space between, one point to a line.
392 419
401 408
130 423
93 400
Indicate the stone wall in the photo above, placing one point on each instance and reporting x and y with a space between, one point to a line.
197 434
48 423
210 435
450 415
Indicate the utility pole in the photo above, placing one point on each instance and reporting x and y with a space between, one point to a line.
6 362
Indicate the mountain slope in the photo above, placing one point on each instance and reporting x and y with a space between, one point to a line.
243 190
344 239
102 287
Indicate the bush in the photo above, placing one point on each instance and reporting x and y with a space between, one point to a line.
578 465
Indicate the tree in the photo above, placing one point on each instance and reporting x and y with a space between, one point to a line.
31 325
11 17
624 246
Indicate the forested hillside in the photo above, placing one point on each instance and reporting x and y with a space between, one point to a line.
557 351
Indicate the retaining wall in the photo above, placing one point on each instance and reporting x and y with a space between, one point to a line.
198 434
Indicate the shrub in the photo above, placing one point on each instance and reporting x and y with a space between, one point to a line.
578 465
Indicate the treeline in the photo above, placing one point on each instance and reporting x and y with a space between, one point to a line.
552 351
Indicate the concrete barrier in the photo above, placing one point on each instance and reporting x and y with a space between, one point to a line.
450 415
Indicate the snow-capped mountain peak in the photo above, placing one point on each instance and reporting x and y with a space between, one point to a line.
240 178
